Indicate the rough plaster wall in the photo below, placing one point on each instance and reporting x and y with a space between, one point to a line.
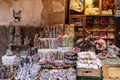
5 15
31 11
50 11
53 12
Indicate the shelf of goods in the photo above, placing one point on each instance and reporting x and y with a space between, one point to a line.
101 27
94 16
91 7
100 7
60 37
79 25
56 58
52 49
79 30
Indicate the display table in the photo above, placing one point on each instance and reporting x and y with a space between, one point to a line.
8 60
109 61
110 71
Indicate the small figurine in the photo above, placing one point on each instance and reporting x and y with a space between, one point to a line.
41 44
17 38
41 33
29 51
18 60
46 30
53 32
26 40
65 41
60 41
36 42
46 44
9 51
50 32
27 60
11 34
17 31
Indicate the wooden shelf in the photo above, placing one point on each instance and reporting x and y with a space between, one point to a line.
96 23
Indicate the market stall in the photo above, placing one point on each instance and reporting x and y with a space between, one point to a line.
84 49
56 54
